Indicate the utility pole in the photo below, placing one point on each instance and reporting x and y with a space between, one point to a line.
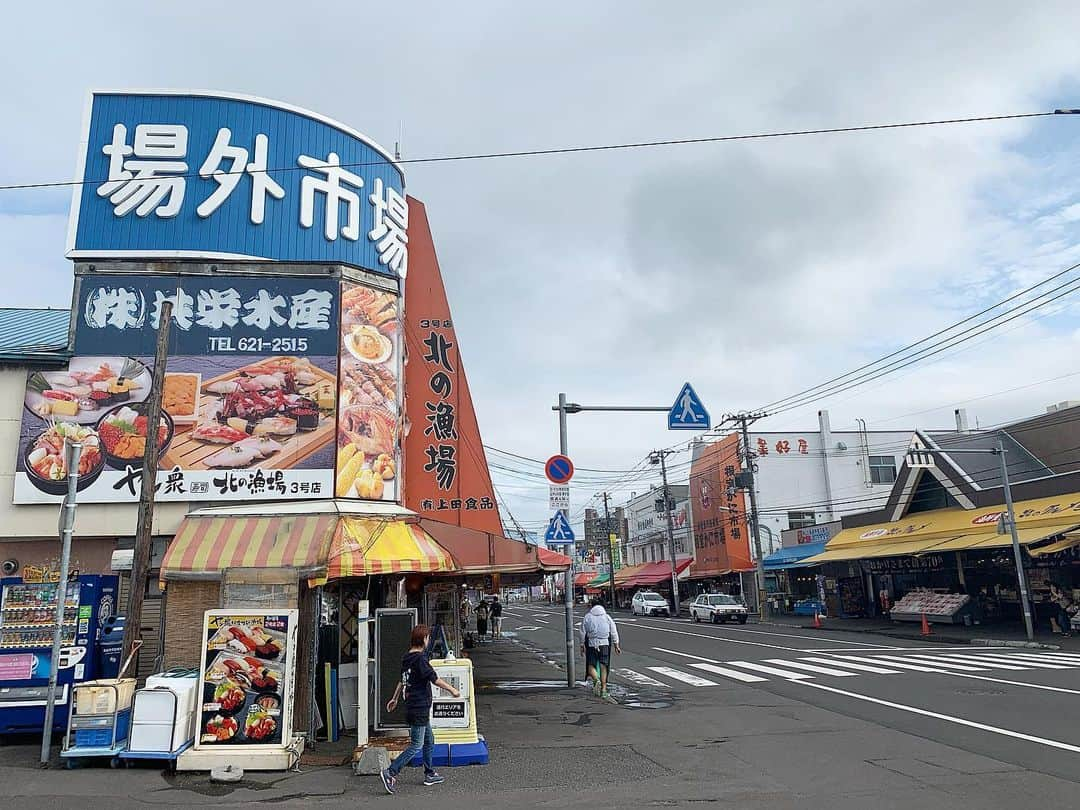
660 457
744 420
140 565
611 551
72 457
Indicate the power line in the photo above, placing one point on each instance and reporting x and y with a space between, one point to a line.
610 147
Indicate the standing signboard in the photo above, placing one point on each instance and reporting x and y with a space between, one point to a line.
247 679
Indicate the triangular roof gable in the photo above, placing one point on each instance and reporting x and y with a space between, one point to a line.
955 481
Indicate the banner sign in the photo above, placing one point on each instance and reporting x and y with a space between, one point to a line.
220 176
246 683
249 400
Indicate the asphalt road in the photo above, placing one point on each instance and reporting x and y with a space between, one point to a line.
1013 706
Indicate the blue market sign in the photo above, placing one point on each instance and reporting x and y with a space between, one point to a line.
226 177
214 315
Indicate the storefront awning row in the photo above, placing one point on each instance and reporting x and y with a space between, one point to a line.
954 529
793 556
329 545
654 573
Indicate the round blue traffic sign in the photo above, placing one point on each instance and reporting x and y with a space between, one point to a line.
559 469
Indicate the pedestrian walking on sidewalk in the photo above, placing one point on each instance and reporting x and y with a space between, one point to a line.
417 676
598 635
482 620
496 618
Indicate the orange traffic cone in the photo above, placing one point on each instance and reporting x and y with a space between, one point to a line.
926 631
817 620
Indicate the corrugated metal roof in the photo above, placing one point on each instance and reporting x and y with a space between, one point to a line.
33 331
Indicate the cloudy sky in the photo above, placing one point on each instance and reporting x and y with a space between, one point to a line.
753 269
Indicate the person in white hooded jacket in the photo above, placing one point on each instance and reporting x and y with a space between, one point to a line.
598 635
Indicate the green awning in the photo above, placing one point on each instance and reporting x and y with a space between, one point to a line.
599 579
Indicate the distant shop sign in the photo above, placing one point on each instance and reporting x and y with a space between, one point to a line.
217 176
904 565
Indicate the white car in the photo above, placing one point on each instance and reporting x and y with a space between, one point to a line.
717 608
648 603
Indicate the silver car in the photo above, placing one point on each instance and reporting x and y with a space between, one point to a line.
718 608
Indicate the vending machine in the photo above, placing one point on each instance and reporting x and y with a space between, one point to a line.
27 622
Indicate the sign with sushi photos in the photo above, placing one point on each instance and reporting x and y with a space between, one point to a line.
250 399
247 679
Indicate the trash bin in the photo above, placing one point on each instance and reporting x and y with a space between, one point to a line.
110 647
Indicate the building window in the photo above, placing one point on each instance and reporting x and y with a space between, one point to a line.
882 469
800 520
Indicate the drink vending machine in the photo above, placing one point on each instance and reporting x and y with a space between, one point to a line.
27 621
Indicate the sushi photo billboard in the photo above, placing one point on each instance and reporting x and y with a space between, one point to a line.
277 386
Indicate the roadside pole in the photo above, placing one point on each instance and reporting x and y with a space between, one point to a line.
611 551
73 453
1021 578
140 565
568 579
763 603
659 457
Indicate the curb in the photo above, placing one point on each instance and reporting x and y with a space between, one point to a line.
1029 645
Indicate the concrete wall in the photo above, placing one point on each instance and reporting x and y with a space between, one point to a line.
647 528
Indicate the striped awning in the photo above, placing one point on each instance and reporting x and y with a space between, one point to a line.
208 545
363 547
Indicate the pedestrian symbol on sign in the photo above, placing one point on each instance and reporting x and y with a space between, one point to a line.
558 530
688 412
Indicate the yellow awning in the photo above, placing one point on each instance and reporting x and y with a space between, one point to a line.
869 550
363 547
1061 545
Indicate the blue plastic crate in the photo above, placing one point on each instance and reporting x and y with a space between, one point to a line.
103 737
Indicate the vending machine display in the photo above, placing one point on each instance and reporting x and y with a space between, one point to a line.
27 623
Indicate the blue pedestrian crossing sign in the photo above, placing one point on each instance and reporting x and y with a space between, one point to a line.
558 530
688 413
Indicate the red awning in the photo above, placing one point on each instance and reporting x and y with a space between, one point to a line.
478 552
583 579
552 561
654 573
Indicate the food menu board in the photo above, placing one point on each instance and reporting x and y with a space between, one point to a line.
247 679
28 616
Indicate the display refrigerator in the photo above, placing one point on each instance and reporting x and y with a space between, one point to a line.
27 623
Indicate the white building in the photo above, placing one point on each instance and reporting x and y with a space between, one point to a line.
647 525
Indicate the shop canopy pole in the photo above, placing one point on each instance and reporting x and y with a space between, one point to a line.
140 565
73 450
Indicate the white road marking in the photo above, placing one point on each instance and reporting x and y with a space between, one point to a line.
993 664
850 665
947 718
1040 664
527 627
1055 656
720 639
686 655
685 677
804 637
940 661
638 678
782 673
881 659
811 668
734 674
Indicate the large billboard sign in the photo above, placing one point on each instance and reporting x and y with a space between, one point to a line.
216 176
251 393
721 542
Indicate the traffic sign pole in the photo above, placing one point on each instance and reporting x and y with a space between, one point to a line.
568 581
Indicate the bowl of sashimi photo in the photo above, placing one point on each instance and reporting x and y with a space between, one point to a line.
88 388
123 432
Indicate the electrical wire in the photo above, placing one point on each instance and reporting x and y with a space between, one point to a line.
610 147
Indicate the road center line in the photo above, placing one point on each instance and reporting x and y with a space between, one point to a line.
728 628
960 721
720 639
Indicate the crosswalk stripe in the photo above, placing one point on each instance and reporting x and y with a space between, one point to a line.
941 661
685 677
1040 664
878 659
979 660
639 678
730 673
1072 658
851 665
811 668
783 673
1063 663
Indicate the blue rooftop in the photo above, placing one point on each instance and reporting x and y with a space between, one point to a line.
34 334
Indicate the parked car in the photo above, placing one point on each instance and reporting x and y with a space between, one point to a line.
649 603
718 608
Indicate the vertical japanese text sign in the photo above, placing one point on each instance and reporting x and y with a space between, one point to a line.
217 176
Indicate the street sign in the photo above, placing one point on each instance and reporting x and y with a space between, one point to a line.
688 412
559 497
559 469
558 530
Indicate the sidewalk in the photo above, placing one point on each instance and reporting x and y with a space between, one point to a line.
944 633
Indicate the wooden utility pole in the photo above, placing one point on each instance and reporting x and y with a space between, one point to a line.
608 533
140 564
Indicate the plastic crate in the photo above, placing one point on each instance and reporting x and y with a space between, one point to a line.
103 737
103 696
